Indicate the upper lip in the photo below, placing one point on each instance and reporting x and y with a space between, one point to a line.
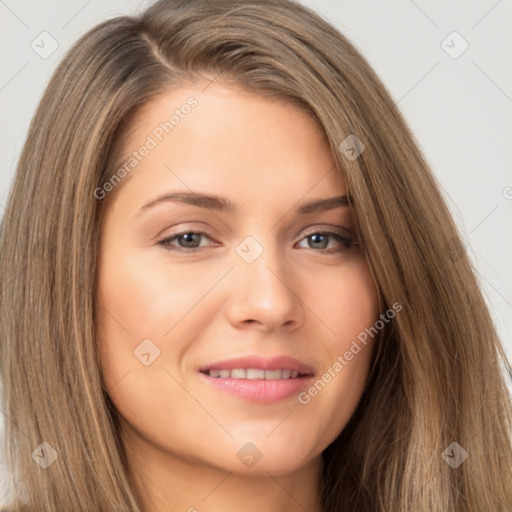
264 363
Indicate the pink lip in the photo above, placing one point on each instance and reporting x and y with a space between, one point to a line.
260 390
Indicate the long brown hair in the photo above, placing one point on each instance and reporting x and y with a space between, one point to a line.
438 376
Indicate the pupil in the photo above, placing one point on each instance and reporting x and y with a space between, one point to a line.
189 238
316 237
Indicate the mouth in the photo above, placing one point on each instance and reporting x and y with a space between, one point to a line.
255 374
258 379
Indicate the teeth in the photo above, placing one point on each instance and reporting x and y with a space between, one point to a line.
254 374
273 374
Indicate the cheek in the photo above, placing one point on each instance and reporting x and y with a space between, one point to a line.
140 300
346 304
348 307
144 300
134 311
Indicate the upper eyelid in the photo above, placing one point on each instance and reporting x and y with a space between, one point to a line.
325 227
309 230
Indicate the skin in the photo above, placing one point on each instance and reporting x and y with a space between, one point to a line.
182 435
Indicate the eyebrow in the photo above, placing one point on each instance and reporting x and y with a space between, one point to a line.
222 204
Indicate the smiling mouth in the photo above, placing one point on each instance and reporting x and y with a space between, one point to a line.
255 374
258 378
257 384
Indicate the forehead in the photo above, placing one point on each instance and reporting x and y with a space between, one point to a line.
223 139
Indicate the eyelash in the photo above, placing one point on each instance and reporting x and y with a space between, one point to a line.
346 243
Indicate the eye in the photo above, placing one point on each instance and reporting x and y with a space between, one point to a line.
322 239
188 241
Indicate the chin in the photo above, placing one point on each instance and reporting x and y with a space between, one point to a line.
259 456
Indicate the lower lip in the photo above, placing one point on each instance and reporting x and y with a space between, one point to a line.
259 390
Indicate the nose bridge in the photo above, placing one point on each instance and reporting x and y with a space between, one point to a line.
264 287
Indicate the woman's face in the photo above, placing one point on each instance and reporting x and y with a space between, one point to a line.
216 322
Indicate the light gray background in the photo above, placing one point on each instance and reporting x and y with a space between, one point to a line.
460 109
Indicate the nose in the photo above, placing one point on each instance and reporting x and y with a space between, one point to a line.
265 295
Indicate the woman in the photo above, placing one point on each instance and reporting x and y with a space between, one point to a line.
237 284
